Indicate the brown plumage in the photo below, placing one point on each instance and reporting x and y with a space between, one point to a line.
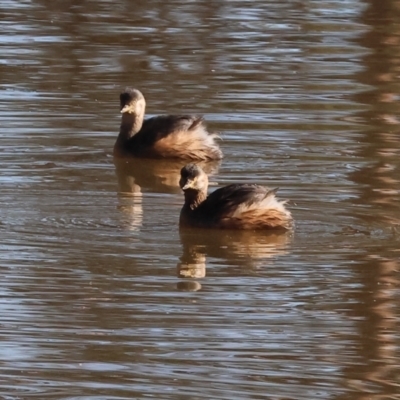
164 136
237 206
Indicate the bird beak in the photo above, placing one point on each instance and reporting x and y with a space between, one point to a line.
125 109
188 184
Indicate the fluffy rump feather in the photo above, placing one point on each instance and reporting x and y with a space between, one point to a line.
195 143
248 206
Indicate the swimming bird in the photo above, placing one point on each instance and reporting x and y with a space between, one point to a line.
164 136
236 206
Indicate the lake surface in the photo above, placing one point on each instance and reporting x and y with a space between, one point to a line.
103 298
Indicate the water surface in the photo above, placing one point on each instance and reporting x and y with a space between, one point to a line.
103 298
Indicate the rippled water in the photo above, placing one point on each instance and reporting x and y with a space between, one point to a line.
103 298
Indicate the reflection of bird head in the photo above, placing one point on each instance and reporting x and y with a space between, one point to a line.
192 265
188 286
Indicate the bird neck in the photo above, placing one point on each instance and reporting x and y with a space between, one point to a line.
193 198
130 125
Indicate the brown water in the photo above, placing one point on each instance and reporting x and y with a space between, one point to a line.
101 298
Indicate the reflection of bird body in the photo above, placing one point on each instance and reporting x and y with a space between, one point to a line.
164 136
154 175
237 206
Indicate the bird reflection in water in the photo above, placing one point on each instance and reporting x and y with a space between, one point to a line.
158 176
135 176
130 198
250 250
